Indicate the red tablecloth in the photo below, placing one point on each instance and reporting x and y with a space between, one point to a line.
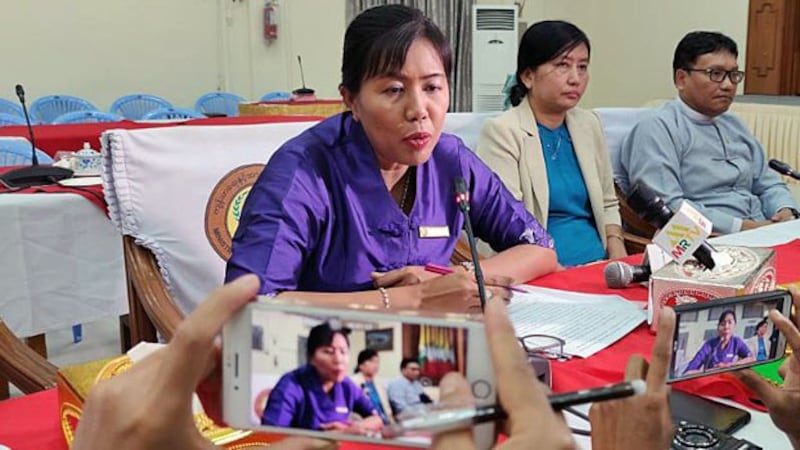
608 365
31 422
52 138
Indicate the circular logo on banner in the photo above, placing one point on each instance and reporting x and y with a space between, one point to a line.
225 205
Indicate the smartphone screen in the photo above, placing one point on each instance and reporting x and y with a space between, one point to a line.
727 334
306 370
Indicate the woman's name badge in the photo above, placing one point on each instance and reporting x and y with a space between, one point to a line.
342 410
434 232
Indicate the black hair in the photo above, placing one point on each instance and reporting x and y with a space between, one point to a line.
542 42
322 336
698 43
407 361
725 313
760 324
377 40
365 355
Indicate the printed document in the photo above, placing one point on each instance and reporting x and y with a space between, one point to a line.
587 323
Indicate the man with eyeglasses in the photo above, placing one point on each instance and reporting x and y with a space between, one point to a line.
693 149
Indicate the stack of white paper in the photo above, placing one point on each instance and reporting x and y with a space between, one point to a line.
587 323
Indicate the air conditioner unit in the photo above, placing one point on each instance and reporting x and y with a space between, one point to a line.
494 54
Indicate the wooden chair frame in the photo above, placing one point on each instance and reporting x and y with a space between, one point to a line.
151 308
22 366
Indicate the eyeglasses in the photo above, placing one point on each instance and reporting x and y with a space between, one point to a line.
718 75
544 346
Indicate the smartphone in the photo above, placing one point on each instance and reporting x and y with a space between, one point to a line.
727 334
289 368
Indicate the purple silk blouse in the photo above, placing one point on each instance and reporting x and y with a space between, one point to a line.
711 354
319 217
298 401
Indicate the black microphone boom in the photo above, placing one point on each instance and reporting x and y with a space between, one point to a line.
783 168
33 175
303 90
462 198
650 207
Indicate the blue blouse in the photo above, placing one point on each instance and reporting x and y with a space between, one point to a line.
570 221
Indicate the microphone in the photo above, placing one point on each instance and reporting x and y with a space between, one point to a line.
650 207
303 90
783 168
33 175
462 199
21 97
620 274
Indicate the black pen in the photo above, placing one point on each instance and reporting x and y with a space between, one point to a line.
438 419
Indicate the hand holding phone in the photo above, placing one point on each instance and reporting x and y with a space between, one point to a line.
154 395
530 416
727 334
783 404
298 378
643 421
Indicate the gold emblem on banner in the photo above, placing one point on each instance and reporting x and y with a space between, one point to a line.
225 205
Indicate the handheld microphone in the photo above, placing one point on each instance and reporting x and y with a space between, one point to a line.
33 175
650 207
783 168
462 199
303 90
620 274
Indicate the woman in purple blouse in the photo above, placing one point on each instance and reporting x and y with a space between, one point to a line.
318 395
364 199
721 351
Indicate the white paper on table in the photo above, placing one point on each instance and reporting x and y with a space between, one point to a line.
587 323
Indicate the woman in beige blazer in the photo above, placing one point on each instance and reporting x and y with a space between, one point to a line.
364 377
551 154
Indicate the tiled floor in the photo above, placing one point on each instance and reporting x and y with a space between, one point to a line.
100 340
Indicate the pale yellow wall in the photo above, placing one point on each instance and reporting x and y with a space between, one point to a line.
101 49
633 40
179 49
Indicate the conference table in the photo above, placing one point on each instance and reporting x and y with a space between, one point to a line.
33 421
52 138
62 258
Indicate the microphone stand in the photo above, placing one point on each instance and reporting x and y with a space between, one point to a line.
462 198
33 175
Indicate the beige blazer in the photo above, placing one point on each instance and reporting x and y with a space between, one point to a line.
358 379
509 144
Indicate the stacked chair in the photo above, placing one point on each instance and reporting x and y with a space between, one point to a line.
136 106
172 113
216 104
46 109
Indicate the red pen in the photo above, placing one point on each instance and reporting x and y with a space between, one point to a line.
444 270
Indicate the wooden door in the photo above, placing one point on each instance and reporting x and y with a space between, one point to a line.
773 48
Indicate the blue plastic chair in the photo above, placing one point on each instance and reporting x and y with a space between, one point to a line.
136 106
16 151
11 119
276 96
9 107
46 109
218 104
172 113
87 116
